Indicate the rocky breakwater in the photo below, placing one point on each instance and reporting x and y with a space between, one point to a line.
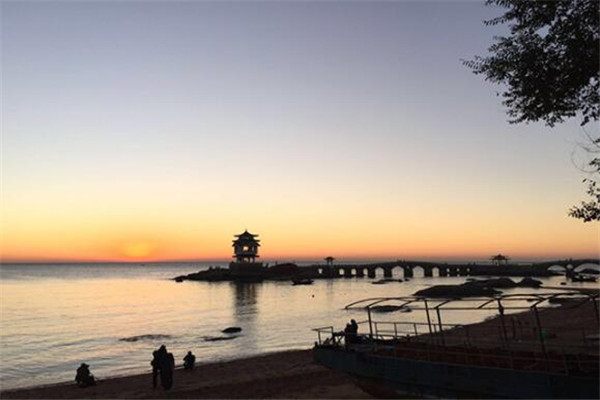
279 272
476 288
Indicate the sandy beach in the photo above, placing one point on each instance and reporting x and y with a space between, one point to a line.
289 374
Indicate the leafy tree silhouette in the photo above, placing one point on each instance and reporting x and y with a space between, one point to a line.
550 66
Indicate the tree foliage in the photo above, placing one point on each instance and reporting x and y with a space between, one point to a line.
549 65
549 62
590 210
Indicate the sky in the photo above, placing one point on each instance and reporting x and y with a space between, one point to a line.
149 130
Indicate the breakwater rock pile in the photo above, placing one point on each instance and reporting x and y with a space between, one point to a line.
279 272
477 288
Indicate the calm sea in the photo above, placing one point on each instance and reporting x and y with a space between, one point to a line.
54 317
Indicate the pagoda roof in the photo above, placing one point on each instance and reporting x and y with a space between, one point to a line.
246 237
246 234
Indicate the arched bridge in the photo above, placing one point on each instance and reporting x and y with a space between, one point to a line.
442 269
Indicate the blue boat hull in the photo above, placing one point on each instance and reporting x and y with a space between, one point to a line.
426 379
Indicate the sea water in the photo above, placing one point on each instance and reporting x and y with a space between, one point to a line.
112 316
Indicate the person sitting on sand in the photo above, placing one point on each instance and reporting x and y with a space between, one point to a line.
157 360
189 360
83 377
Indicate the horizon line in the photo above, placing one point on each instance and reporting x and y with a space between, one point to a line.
296 260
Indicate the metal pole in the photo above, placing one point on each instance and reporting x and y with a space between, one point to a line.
428 319
501 310
596 309
539 325
370 324
440 324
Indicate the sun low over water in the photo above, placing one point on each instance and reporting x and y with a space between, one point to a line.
113 316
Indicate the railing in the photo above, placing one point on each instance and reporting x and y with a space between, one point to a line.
560 362
321 331
497 358
511 337
407 329
499 346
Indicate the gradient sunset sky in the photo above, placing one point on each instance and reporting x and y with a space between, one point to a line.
137 130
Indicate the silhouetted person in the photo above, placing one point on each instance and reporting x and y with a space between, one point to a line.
83 377
347 335
354 326
189 360
158 357
166 371
350 332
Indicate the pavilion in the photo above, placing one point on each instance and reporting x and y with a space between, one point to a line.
245 252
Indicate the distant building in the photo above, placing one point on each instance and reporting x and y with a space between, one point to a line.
245 247
329 260
500 259
245 252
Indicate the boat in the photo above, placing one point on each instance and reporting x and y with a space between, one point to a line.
302 281
436 359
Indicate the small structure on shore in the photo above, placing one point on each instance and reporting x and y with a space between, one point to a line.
245 248
329 260
245 252
500 259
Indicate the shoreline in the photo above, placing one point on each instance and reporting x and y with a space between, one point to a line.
286 374
292 373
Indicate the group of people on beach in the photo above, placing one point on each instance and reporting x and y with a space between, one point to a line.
163 366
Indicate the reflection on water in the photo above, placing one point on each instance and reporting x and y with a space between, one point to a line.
245 296
62 316
246 310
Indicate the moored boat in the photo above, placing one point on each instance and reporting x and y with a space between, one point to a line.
512 356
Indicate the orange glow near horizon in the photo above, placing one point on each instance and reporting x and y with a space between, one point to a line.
300 244
151 226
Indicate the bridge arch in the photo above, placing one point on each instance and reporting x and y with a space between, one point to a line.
588 266
562 269
396 271
418 271
378 272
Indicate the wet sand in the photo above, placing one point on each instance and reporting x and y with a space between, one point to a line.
289 374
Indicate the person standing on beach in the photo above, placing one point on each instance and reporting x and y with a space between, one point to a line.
166 371
354 326
158 357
